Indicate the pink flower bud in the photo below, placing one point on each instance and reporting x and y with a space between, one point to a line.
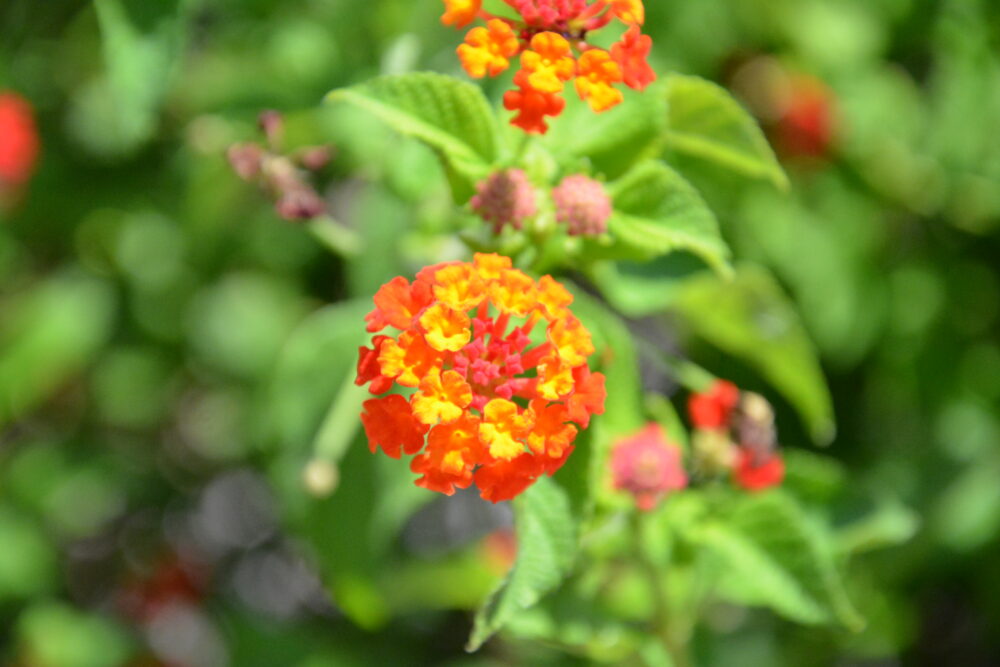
505 197
300 203
582 205
245 160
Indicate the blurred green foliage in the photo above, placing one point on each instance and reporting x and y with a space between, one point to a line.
167 357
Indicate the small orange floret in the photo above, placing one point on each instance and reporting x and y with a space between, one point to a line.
555 298
629 11
492 266
555 378
502 425
551 435
389 423
453 450
630 54
532 105
596 74
442 396
571 340
369 369
487 51
396 304
549 62
447 329
514 292
407 360
459 286
502 480
588 396
460 13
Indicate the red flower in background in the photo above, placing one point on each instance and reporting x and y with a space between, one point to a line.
806 125
724 413
648 466
756 473
713 408
18 141
493 405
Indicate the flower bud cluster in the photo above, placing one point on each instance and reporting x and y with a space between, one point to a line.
285 178
507 197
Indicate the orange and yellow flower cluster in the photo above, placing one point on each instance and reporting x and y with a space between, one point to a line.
550 36
492 405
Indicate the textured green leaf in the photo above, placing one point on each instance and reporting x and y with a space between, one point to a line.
750 317
451 116
613 141
656 212
707 122
772 554
546 538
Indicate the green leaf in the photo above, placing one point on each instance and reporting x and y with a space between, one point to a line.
54 634
656 211
118 113
615 140
47 336
623 408
27 561
311 371
707 122
891 524
750 317
546 538
451 116
772 554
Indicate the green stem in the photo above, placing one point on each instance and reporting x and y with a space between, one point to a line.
337 238
688 374
673 632
341 422
522 148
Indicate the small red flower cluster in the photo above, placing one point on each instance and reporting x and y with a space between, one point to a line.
722 413
648 466
547 35
18 142
495 408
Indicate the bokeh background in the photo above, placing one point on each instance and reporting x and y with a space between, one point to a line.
169 345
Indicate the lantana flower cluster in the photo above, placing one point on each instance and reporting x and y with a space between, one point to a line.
480 401
735 431
550 39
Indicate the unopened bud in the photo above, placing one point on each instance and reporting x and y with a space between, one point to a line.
582 205
272 124
314 158
300 203
505 197
245 160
